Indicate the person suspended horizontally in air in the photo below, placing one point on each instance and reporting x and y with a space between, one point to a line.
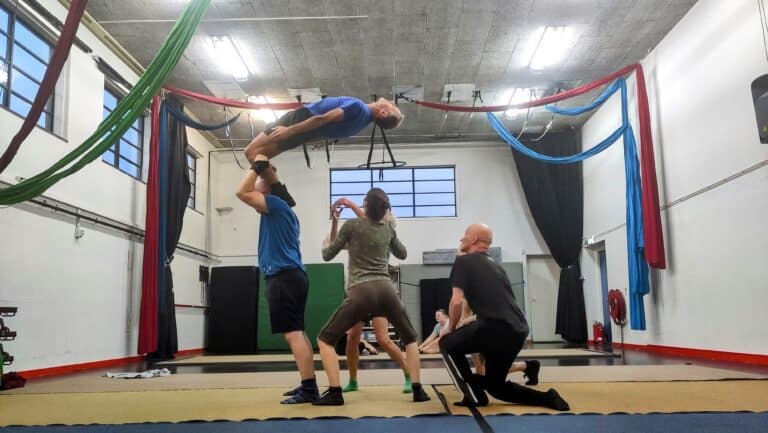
330 118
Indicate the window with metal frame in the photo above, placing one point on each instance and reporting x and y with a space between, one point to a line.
414 192
127 154
192 165
24 57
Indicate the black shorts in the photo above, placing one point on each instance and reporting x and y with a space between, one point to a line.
287 298
291 118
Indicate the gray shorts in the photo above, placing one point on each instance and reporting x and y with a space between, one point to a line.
371 298
291 118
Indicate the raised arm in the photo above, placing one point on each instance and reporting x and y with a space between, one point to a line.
248 194
397 248
337 244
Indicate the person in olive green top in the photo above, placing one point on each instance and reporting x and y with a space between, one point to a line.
369 241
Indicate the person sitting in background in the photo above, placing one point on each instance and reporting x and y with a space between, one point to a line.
431 344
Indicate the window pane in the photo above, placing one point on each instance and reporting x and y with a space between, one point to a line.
3 47
2 93
347 214
110 100
434 186
349 188
436 211
4 20
128 168
191 202
19 107
433 173
105 113
24 61
130 153
31 41
132 136
356 199
43 120
395 174
23 86
393 187
108 157
401 199
138 123
403 212
350 175
435 199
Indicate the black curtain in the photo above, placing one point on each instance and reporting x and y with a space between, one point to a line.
434 294
178 194
556 199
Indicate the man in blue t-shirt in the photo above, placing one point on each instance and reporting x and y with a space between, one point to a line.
280 263
331 117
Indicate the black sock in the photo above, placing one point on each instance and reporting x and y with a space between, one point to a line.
416 386
309 384
334 390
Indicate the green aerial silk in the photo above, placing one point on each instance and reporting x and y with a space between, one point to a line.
127 111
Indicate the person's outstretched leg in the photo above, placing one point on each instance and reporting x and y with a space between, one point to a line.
353 356
381 328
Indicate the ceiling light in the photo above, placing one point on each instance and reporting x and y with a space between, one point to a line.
264 115
555 41
226 56
513 97
245 56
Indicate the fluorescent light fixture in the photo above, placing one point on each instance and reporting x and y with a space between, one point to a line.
227 57
245 56
553 44
264 115
3 73
515 96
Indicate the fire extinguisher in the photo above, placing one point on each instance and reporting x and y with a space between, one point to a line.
598 332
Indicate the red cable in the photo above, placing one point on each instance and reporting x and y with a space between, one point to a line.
234 103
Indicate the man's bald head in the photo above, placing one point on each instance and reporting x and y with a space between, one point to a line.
477 239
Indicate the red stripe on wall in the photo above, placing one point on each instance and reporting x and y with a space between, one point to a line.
94 365
714 355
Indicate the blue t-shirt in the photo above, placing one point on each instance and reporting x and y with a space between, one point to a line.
357 116
279 238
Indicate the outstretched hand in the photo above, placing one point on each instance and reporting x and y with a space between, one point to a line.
280 133
335 212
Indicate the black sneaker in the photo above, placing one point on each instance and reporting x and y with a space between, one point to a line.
480 398
330 399
532 372
556 402
420 395
302 396
294 391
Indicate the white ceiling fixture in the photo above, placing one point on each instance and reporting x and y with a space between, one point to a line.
554 43
229 60
515 96
264 115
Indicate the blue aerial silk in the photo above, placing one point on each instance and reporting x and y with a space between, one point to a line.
188 121
637 265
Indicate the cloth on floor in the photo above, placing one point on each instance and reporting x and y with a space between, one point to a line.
139 374
11 381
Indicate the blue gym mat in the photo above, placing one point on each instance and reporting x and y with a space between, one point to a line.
740 422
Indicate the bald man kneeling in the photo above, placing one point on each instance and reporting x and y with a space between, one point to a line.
498 333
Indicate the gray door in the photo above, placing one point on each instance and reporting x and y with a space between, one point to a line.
542 283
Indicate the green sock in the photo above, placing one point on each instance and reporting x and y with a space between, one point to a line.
351 386
407 387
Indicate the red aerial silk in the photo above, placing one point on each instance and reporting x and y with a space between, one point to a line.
148 312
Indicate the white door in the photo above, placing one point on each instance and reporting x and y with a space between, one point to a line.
542 284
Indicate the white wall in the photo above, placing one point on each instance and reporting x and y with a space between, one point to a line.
78 299
488 191
714 294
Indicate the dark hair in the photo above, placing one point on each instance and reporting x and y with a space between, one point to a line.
442 310
389 122
376 204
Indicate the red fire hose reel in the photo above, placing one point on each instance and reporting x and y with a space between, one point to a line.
617 307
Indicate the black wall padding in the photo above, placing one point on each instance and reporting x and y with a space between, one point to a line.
435 294
232 319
